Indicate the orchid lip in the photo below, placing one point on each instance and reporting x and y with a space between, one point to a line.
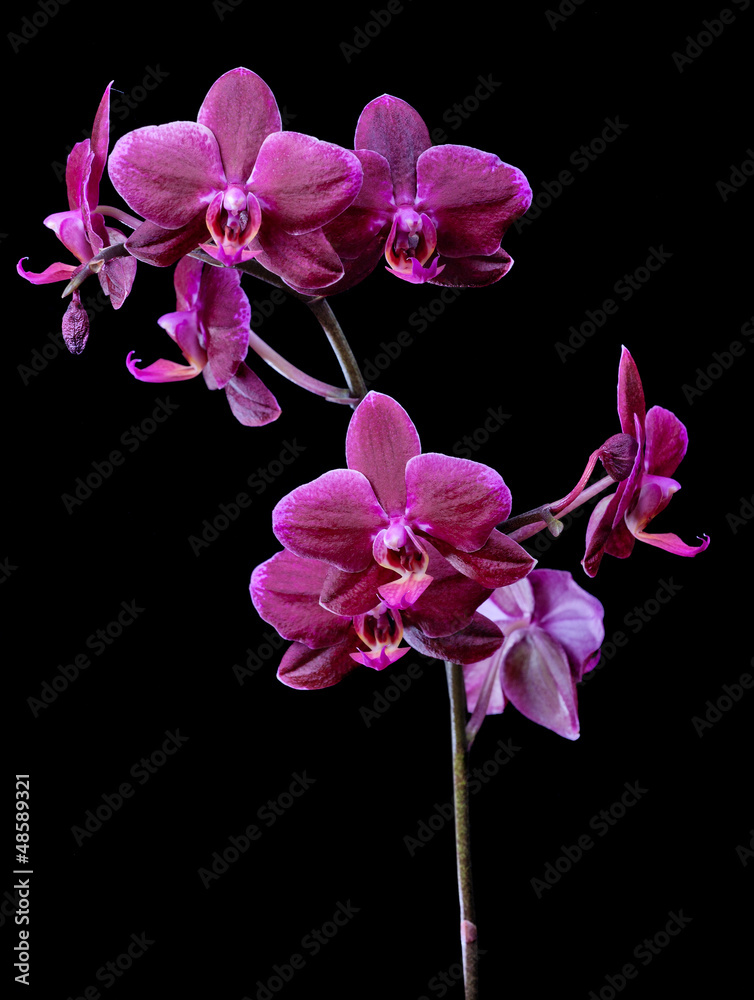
397 548
381 630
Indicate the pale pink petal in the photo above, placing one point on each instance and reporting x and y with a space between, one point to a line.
251 402
536 677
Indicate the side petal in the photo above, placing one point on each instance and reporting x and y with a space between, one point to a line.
55 272
473 272
335 518
225 313
311 669
163 247
161 370
479 640
499 563
307 262
667 440
250 401
455 500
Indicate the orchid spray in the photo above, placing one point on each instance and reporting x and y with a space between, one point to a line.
395 548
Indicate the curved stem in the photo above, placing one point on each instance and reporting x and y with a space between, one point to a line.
469 950
119 215
525 525
332 393
348 365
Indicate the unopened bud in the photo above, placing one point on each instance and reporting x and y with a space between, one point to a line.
617 455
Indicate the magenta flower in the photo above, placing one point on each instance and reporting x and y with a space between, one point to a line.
325 646
618 520
419 201
82 230
211 327
233 177
553 631
371 522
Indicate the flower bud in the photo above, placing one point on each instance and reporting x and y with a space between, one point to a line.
617 455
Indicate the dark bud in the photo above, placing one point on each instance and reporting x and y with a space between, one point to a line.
617 455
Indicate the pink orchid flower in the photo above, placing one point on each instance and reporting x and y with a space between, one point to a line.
235 178
419 201
211 327
553 631
371 521
620 519
442 622
82 230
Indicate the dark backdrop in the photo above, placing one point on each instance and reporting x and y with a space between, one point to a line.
181 705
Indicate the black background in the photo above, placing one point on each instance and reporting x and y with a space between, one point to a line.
373 785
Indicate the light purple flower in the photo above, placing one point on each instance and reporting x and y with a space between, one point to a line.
553 631
371 521
443 622
618 520
82 230
211 327
419 201
234 177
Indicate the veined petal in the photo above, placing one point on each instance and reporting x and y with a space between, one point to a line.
380 441
569 614
311 669
667 440
70 230
251 402
117 275
536 677
353 593
471 196
163 247
302 182
392 128
241 111
371 210
305 262
499 563
455 500
224 312
285 592
479 640
100 142
167 173
476 678
78 167
334 518
473 272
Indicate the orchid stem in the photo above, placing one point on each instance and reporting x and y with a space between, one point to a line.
330 392
523 526
348 365
469 950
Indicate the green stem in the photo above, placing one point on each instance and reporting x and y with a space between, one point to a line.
332 393
469 950
348 365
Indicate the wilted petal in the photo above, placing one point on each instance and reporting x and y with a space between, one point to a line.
312 669
167 173
380 441
536 677
241 111
251 402
455 500
334 518
471 196
75 325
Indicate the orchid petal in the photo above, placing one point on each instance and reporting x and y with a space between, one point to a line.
305 262
536 677
251 402
482 681
477 641
630 394
225 313
498 563
392 128
569 614
55 272
162 247
161 370
667 440
309 670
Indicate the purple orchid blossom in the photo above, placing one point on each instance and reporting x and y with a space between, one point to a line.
372 521
553 631
419 201
442 622
211 327
618 520
234 177
82 230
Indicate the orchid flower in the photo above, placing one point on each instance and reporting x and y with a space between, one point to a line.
618 520
233 177
211 327
82 230
419 201
326 646
553 631
371 522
